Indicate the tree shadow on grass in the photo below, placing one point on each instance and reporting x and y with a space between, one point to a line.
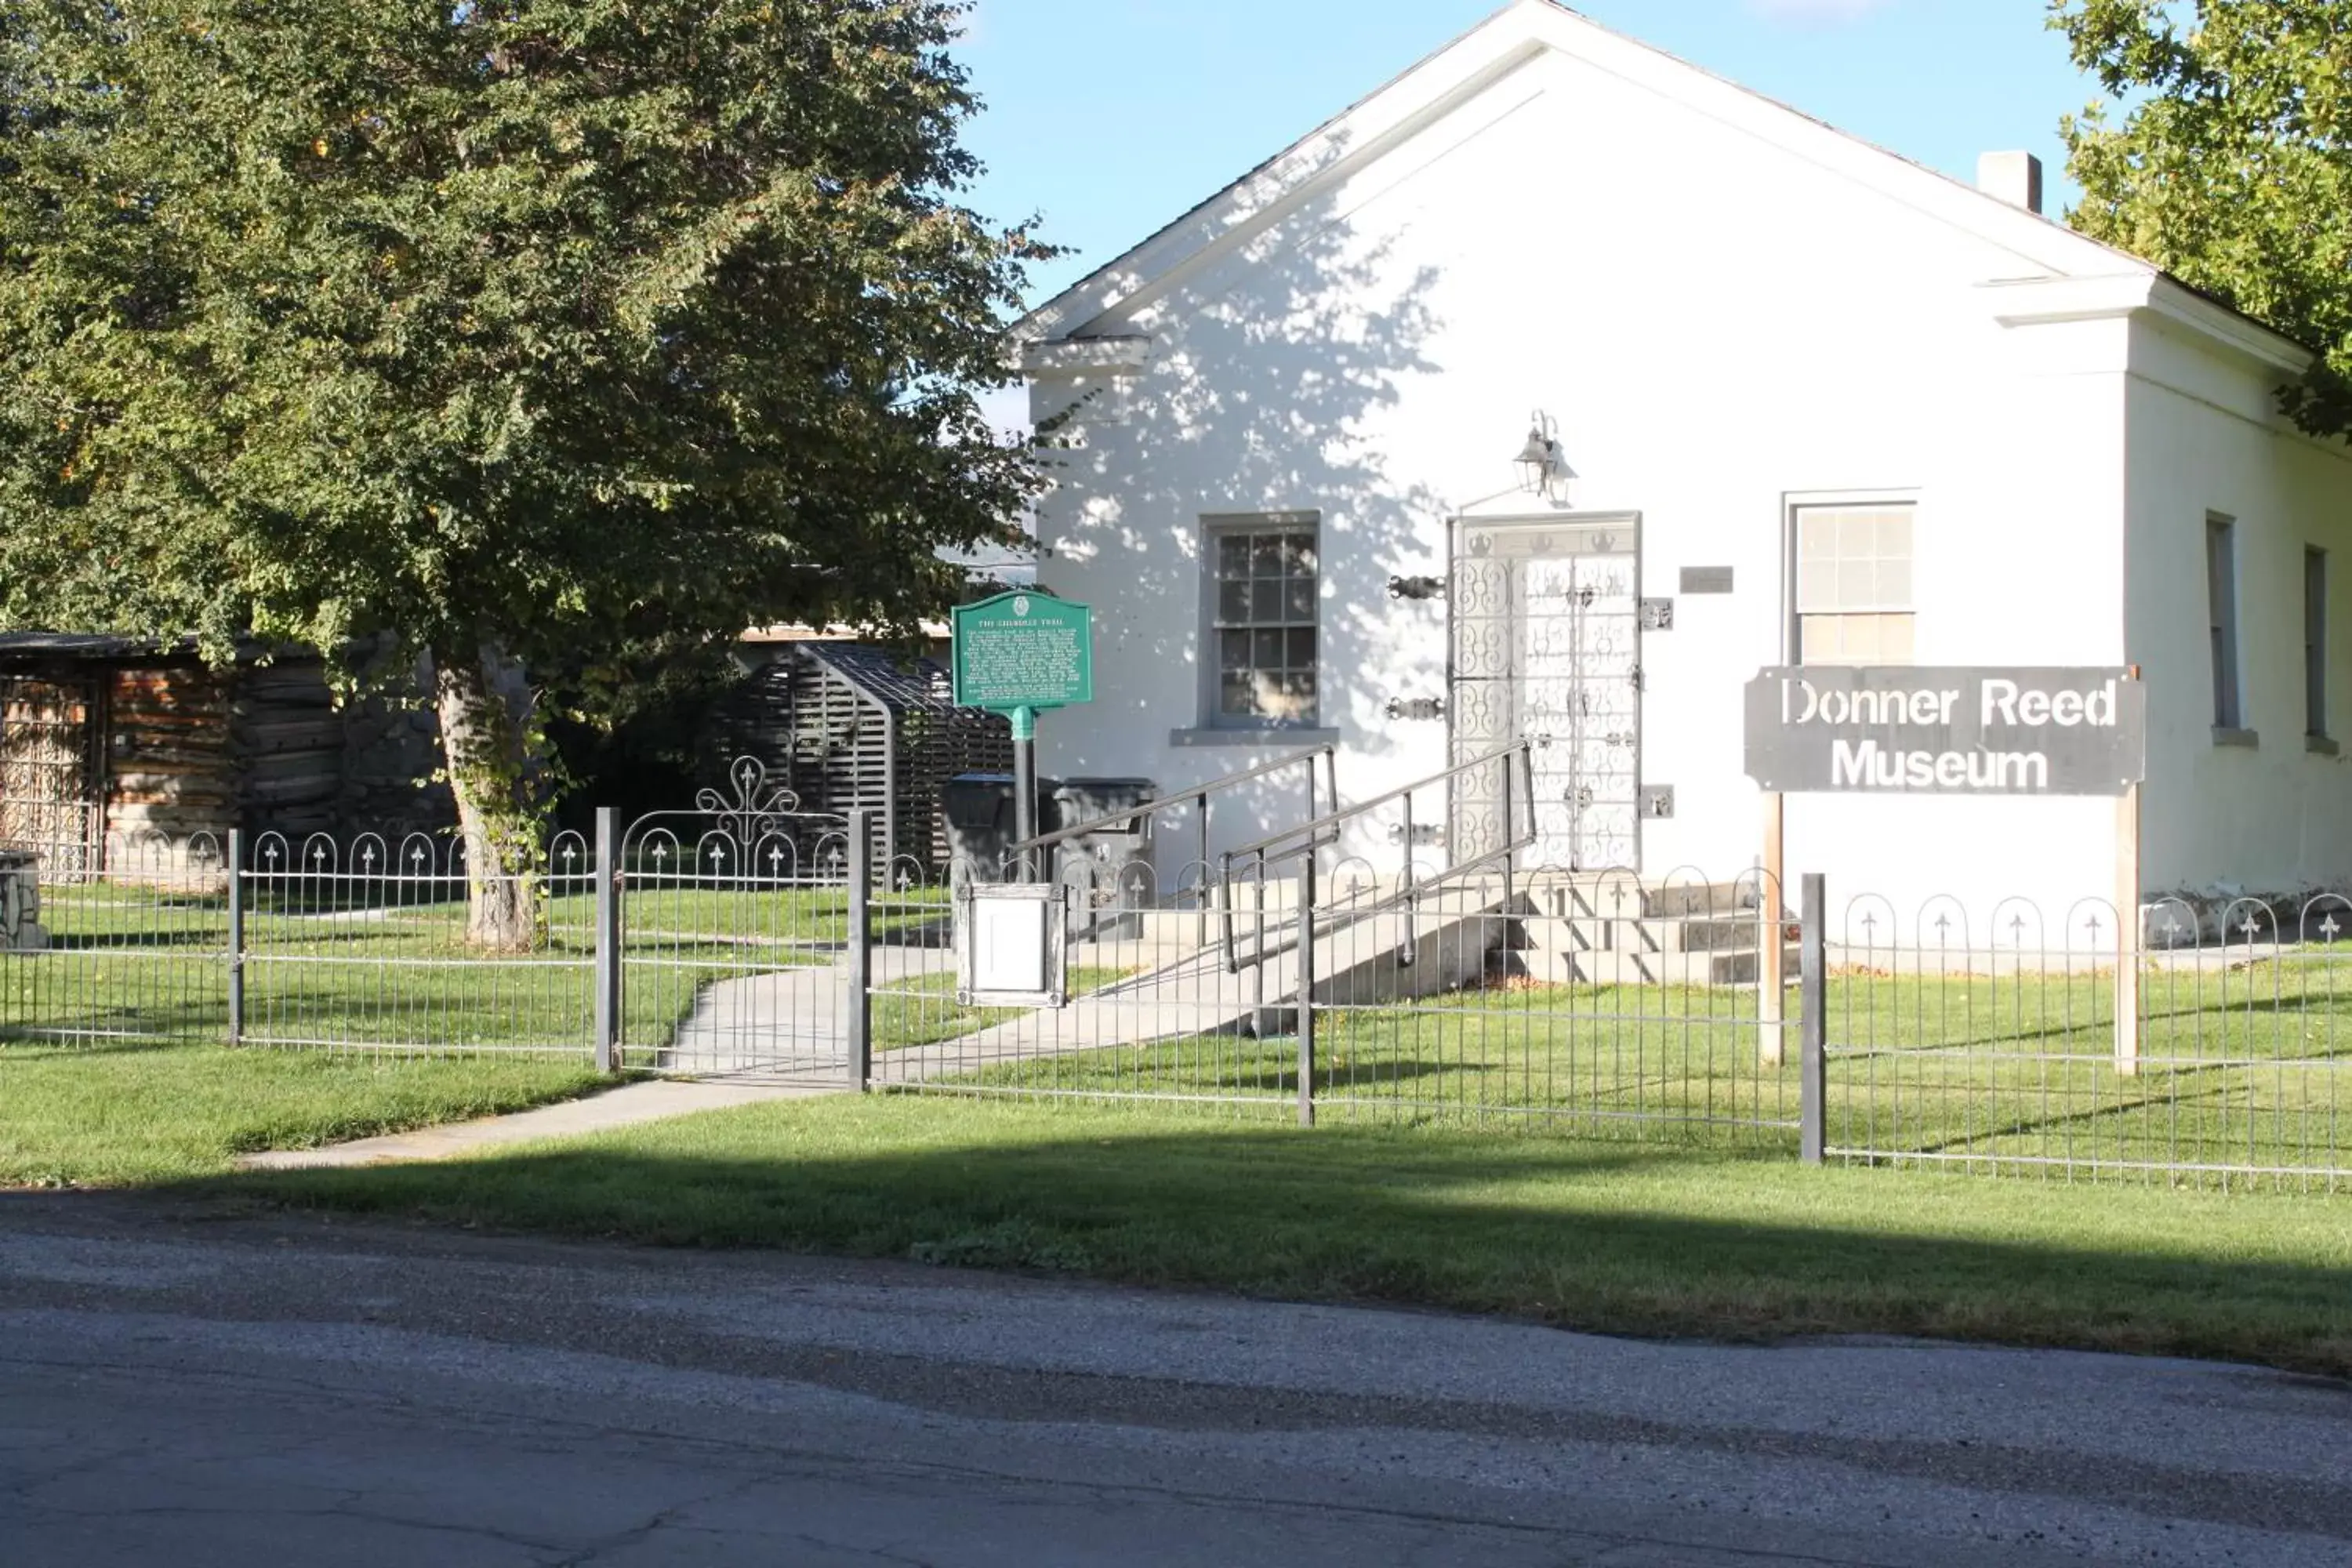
1604 1237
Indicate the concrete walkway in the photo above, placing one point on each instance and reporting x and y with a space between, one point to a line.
630 1105
783 1035
787 1022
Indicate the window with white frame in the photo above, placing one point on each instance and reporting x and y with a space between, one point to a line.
1853 584
1264 641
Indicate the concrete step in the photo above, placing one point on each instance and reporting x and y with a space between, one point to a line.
1560 966
1616 896
1731 934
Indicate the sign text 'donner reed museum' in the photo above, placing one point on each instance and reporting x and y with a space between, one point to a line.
1918 730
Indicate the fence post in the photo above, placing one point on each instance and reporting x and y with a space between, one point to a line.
1814 968
860 1018
236 936
1409 951
1307 900
608 939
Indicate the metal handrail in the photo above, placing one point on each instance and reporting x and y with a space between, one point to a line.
1029 849
1310 837
1332 819
1185 797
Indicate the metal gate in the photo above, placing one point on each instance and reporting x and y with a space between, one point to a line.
50 754
734 950
1545 647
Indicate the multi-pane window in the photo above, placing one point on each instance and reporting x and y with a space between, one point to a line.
1262 620
1854 598
2314 644
2222 605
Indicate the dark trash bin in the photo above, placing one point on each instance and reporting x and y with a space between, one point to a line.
983 827
1112 867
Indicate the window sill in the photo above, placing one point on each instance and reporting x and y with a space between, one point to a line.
2322 746
1271 735
2247 739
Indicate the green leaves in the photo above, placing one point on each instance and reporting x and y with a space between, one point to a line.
2231 164
563 324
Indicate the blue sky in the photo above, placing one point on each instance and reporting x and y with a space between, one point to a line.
1107 117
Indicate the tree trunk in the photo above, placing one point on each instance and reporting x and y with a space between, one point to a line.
487 735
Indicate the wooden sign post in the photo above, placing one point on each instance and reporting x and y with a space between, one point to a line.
2128 932
1772 981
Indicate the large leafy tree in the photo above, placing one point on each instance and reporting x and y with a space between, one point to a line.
516 333
2230 164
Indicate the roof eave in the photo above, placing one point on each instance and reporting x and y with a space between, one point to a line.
2043 301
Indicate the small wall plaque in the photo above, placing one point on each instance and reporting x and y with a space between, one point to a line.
1657 615
1657 800
1422 708
1706 579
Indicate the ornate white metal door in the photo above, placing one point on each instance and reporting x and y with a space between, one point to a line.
1546 645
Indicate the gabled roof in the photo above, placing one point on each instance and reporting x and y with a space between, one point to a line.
2046 251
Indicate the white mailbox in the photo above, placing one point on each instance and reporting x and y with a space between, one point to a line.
1013 944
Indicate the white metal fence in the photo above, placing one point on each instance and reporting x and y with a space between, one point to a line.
743 938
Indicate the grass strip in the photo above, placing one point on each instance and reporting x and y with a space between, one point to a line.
96 1117
922 1009
1609 1237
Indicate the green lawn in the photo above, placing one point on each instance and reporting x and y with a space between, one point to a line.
119 1116
2249 1068
1599 1236
141 963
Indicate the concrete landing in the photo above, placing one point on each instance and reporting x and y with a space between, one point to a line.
627 1106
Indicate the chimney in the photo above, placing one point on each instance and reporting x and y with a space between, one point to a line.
2014 177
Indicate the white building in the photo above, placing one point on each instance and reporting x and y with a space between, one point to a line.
1829 403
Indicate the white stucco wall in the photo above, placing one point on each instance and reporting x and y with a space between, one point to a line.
1719 324
2206 439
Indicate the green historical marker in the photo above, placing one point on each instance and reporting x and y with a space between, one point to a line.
1023 654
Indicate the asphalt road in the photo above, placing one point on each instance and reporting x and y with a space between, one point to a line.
190 1390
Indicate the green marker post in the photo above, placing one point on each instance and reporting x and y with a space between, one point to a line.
1024 783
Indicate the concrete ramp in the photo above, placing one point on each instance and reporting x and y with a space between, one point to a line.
1362 960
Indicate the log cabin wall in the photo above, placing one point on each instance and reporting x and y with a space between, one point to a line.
285 742
170 749
391 751
168 770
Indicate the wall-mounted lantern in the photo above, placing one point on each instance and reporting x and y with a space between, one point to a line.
1543 462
